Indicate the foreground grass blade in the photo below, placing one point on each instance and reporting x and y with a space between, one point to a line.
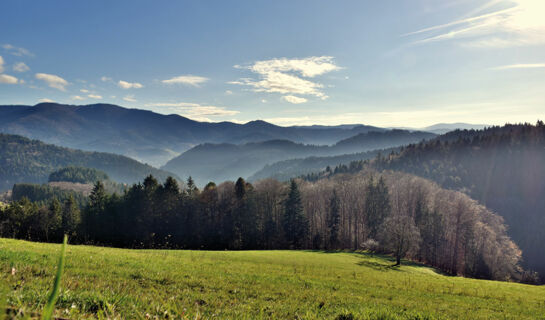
50 306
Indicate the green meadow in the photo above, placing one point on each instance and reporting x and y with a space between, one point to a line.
108 283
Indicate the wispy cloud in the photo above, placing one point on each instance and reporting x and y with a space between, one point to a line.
189 80
20 67
52 81
17 51
1 64
129 98
194 111
7 79
45 100
520 66
105 79
294 99
94 96
84 90
285 76
499 23
129 85
78 98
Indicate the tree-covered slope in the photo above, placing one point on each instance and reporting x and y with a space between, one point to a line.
32 161
502 167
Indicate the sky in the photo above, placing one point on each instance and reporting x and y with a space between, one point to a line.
410 63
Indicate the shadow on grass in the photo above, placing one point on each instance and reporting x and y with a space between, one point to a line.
388 262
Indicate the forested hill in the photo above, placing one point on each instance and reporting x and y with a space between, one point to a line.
220 162
502 167
147 136
32 161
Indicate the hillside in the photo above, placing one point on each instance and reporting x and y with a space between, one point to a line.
221 162
123 283
32 161
147 136
502 167
288 169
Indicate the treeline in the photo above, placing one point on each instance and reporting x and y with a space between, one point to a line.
43 193
78 175
400 214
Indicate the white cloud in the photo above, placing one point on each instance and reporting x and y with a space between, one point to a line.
263 100
17 51
105 79
129 98
45 100
499 23
186 80
194 111
52 80
129 85
285 76
294 99
7 79
20 67
228 92
94 96
84 90
1 64
77 98
521 66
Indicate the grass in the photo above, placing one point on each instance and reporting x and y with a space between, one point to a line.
154 284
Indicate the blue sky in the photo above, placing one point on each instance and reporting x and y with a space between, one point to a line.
386 63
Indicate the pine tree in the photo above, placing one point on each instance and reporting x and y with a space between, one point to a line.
333 221
296 227
70 217
377 205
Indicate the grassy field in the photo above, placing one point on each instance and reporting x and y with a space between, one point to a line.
140 284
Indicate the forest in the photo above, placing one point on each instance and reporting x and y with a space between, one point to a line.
395 213
502 167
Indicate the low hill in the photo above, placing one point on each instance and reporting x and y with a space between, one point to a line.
32 161
220 162
147 136
134 284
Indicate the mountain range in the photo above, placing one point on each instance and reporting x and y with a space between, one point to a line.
221 162
147 136
155 138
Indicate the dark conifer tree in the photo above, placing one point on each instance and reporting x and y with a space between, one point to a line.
295 222
70 217
333 221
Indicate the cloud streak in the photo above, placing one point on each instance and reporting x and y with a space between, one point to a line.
129 85
52 81
129 98
286 76
520 66
191 110
20 67
188 80
510 23
294 99
7 79
17 51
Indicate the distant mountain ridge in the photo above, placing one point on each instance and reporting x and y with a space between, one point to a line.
220 162
147 136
